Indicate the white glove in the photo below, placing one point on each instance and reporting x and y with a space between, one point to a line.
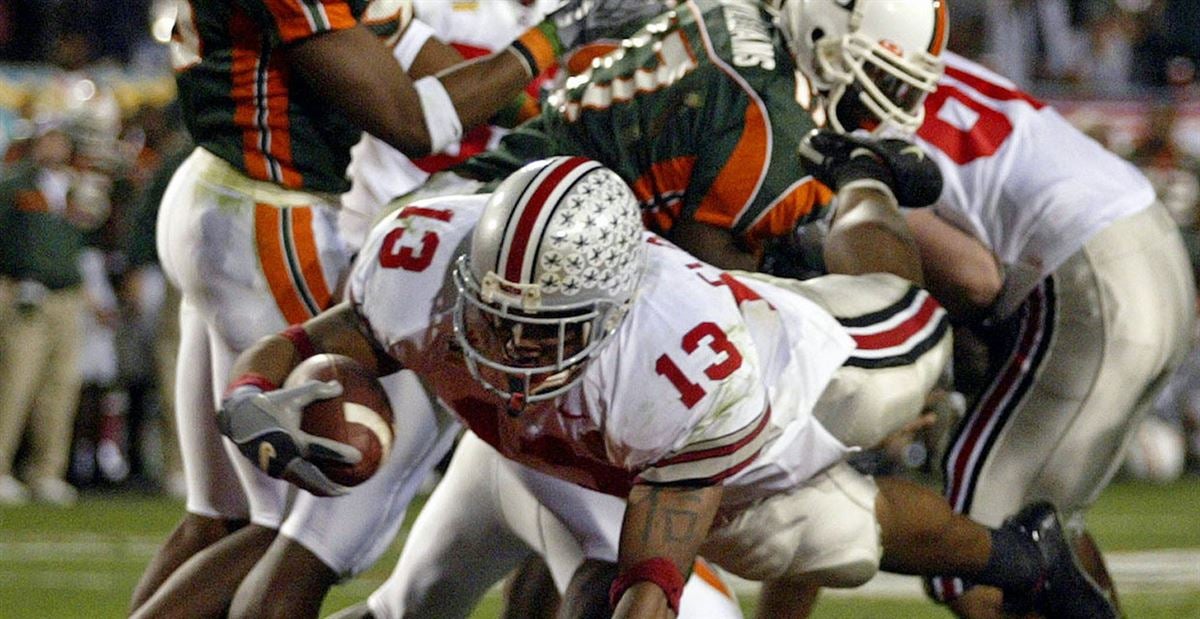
266 428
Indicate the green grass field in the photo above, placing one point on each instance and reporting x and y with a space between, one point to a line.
83 562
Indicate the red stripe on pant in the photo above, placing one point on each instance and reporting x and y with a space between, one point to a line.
968 453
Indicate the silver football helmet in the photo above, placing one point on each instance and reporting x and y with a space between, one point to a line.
884 51
553 266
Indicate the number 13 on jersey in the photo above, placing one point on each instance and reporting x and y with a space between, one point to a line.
729 359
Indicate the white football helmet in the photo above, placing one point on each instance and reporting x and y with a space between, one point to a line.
553 266
886 51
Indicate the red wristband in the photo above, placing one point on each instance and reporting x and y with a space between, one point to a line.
659 570
254 380
299 339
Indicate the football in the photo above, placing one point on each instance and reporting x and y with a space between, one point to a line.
360 417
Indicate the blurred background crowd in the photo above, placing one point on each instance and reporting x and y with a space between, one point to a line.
89 134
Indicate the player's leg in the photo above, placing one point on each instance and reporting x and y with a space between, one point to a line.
325 540
204 583
1056 428
839 528
529 592
250 264
215 508
459 545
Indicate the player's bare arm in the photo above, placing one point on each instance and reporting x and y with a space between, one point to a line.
356 73
337 330
873 179
714 245
961 271
435 56
662 524
868 235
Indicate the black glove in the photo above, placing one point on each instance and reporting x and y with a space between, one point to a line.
266 428
837 159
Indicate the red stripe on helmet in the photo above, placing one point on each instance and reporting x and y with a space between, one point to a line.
522 236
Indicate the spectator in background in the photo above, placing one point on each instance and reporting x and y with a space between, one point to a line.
46 222
1108 58
1169 50
101 403
1174 174
1030 39
153 305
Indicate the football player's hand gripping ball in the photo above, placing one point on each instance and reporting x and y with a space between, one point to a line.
265 425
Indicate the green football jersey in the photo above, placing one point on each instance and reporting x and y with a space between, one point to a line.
241 100
700 111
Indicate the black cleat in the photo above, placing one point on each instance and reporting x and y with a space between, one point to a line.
1064 590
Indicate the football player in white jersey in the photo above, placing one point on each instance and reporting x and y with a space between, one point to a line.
324 540
578 345
247 230
1056 253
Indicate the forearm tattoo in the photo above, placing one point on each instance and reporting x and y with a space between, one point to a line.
679 522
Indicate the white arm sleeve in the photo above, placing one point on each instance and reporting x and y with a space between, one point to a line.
409 45
441 119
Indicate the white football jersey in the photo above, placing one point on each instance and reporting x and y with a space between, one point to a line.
708 380
1018 176
484 24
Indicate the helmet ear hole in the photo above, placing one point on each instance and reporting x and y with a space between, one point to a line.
816 34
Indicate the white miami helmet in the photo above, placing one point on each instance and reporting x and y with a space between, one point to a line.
553 266
884 51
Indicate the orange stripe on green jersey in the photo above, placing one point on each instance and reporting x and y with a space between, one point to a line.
245 73
276 138
299 19
690 89
289 260
580 58
661 189
739 181
241 102
798 204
